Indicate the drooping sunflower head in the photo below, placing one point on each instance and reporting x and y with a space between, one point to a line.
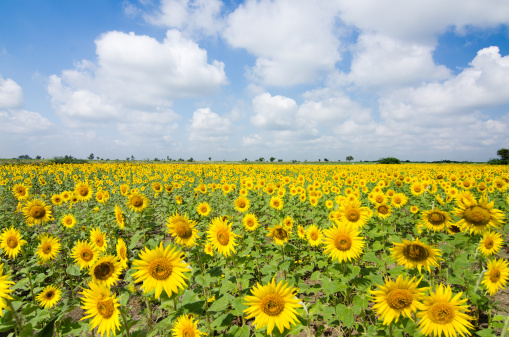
242 204
11 242
441 312
343 242
161 268
182 229
397 298
85 254
137 202
250 222
37 212
411 254
49 296
106 270
186 326
48 248
221 236
301 232
203 209
119 217
102 306
122 253
496 276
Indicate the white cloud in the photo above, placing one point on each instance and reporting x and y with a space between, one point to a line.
193 16
19 121
11 94
207 126
293 40
274 112
134 73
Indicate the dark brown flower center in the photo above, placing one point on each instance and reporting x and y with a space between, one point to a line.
104 270
223 237
441 313
272 304
106 308
280 234
343 242
12 242
183 230
87 254
46 248
160 268
399 298
415 252
37 212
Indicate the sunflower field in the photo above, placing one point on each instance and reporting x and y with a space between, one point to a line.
186 250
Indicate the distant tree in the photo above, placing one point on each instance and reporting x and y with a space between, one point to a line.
504 155
210 158
349 158
156 159
91 157
261 159
319 159
132 157
280 160
190 159
24 156
325 159
37 157
272 159
389 160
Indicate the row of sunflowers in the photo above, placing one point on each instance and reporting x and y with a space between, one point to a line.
253 250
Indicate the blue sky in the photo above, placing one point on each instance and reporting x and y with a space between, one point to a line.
230 80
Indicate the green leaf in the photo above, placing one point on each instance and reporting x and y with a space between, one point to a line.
485 333
347 317
27 331
361 301
333 287
47 331
223 321
243 332
316 276
239 306
221 303
269 269
285 265
371 257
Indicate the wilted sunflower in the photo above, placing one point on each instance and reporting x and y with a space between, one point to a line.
83 191
119 217
106 270
343 242
48 248
137 202
280 233
490 243
182 229
314 235
250 222
442 313
436 220
68 221
496 275
186 326
161 268
221 236
478 216
100 305
37 212
5 284
203 209
11 242
242 204
413 254
20 191
352 213
397 298
49 296
98 239
84 254
276 203
273 305
122 253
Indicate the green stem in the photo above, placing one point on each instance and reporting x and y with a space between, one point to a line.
125 323
504 329
19 325
29 277
149 310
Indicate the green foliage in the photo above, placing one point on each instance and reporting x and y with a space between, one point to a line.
67 160
389 160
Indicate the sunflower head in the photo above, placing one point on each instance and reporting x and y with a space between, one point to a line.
221 236
413 254
186 326
280 233
106 270
343 242
49 296
49 247
11 242
37 212
182 229
85 254
242 204
137 202
203 209
250 222
102 306
276 203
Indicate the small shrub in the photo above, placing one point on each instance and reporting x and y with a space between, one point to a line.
389 160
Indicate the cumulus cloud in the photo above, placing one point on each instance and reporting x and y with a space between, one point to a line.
207 126
192 16
293 41
11 94
274 112
134 73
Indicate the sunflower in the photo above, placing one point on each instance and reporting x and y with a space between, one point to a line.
343 242
124 189
301 232
57 200
453 228
496 275
288 222
49 296
242 204
203 209
122 253
106 270
490 243
378 198
441 312
137 202
37 212
280 233
209 249
413 254
11 242
5 284
83 191
273 305
119 217
66 195
157 187
161 268
276 203
182 229
100 305
85 254
314 235
20 191
478 216
48 248
417 188
436 219
98 239
186 326
68 221
178 199
220 235
351 213
414 209
250 222
397 298
383 211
